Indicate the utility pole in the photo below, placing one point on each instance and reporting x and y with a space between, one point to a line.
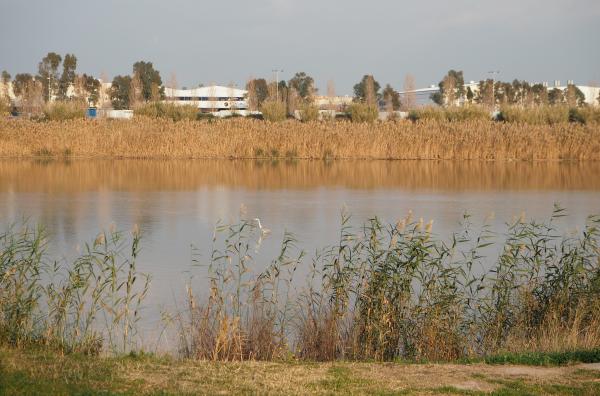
277 71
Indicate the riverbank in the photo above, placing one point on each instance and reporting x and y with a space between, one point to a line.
244 138
33 371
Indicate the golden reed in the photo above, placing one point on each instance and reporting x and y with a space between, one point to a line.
244 138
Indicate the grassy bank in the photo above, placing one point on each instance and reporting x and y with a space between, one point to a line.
244 138
42 372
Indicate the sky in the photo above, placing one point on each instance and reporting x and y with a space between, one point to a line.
224 42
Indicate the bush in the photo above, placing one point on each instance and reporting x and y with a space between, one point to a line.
309 112
273 111
576 116
171 111
542 115
426 113
360 112
590 114
205 116
464 113
60 111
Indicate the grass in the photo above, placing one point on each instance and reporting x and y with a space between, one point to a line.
35 371
145 137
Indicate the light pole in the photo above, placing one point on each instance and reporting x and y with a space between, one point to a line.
497 72
277 71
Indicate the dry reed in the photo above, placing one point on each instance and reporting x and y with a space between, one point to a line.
243 138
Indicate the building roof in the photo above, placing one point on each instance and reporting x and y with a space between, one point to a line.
213 91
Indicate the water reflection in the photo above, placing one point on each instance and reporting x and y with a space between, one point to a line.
180 175
176 203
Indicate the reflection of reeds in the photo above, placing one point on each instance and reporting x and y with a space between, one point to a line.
382 292
149 175
243 138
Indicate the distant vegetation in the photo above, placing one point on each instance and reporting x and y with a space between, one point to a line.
427 138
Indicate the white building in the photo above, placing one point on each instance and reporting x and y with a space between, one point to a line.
210 99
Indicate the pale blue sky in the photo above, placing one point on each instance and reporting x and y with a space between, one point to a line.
229 41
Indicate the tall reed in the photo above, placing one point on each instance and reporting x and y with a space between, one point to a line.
245 138
383 292
90 304
396 291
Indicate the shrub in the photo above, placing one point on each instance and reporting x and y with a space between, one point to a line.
273 111
60 111
309 112
205 116
576 116
464 113
426 113
360 112
542 115
167 110
590 114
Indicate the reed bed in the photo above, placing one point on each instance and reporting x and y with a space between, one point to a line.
245 138
382 292
388 292
86 306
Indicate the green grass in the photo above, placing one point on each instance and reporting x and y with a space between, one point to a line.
546 358
39 371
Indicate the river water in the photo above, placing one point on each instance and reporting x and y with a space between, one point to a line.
177 203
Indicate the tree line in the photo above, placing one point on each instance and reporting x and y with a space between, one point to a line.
491 93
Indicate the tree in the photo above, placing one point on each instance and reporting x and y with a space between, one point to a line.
303 84
409 99
21 82
574 96
331 95
556 97
5 83
540 94
147 75
470 95
258 92
48 73
452 88
29 91
367 90
391 98
485 95
68 75
92 88
120 92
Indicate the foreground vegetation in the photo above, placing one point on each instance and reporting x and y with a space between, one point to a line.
34 371
245 138
384 292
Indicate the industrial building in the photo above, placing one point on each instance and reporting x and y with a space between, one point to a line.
209 99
